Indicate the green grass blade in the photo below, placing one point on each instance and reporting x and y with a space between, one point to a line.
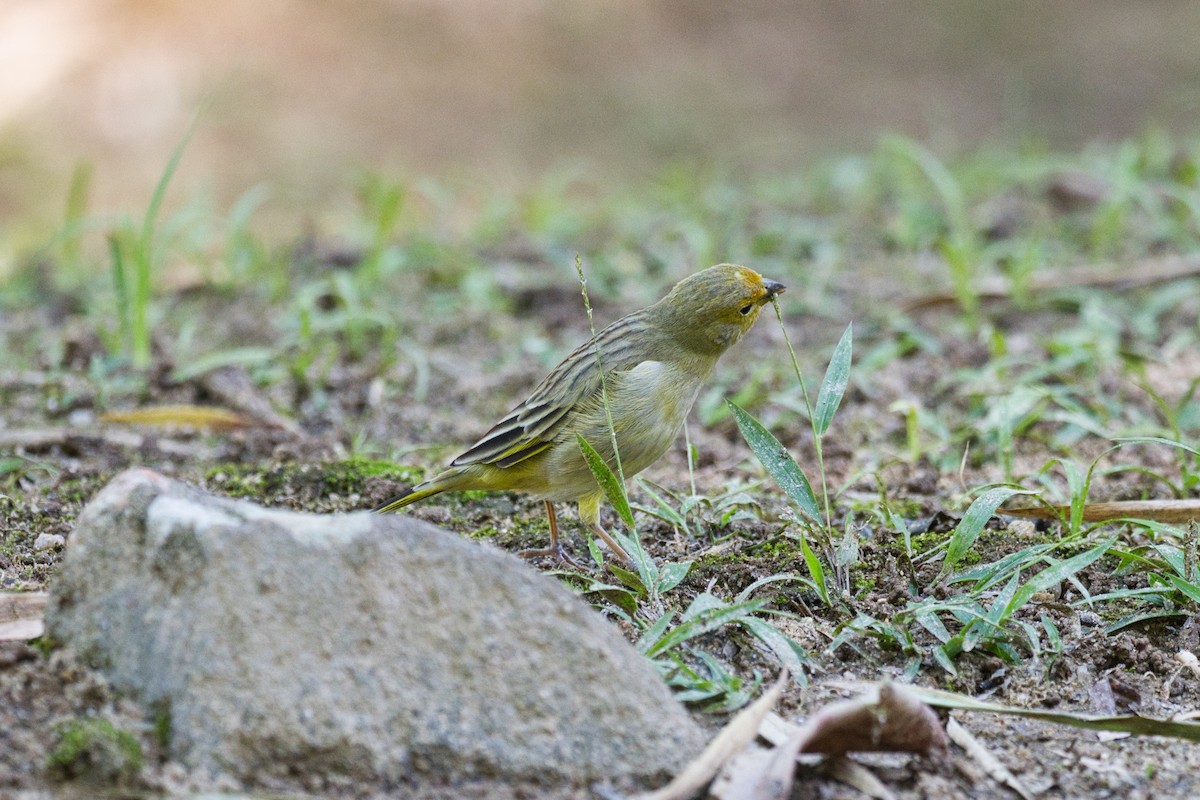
665 510
972 523
837 375
705 623
933 624
77 202
242 356
121 289
991 626
945 185
1190 590
655 632
944 660
160 188
704 603
647 575
789 653
608 481
1129 723
672 574
984 576
815 569
783 577
143 256
1056 574
1157 440
632 580
777 461
1141 618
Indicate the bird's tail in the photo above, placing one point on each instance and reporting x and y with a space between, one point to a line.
418 492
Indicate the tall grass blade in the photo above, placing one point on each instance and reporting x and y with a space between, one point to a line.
160 188
143 256
1157 440
1128 723
121 289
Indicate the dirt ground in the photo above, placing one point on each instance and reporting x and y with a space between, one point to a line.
66 453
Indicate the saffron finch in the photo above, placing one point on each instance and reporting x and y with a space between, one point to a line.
654 363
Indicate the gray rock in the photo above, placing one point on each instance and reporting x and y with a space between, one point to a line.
376 648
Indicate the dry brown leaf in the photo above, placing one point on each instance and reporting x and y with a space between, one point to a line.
889 718
742 777
732 739
775 781
182 415
739 779
775 729
1170 511
856 775
991 765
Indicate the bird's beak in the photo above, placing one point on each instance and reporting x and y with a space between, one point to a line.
774 288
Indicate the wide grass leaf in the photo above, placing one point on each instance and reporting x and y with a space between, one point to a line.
777 461
837 375
815 569
672 574
697 624
787 651
608 481
972 523
1056 574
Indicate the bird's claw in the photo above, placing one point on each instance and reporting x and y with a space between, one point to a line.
555 551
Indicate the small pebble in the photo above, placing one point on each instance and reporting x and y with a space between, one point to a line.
48 541
81 417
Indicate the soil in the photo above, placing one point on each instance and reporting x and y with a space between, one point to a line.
471 372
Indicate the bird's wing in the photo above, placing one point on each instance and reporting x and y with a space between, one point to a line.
536 423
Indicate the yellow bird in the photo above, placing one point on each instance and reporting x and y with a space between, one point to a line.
654 363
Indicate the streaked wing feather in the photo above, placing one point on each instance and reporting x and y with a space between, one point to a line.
517 456
505 435
535 424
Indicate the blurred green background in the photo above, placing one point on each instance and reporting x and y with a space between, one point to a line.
301 94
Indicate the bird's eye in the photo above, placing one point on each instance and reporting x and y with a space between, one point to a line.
744 310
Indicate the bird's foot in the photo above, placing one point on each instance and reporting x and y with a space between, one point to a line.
556 551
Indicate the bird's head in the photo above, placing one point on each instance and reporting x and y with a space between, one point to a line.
711 310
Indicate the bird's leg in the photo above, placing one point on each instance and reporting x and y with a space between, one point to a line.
611 542
555 549
589 515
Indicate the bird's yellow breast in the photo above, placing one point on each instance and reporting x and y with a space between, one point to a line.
648 405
